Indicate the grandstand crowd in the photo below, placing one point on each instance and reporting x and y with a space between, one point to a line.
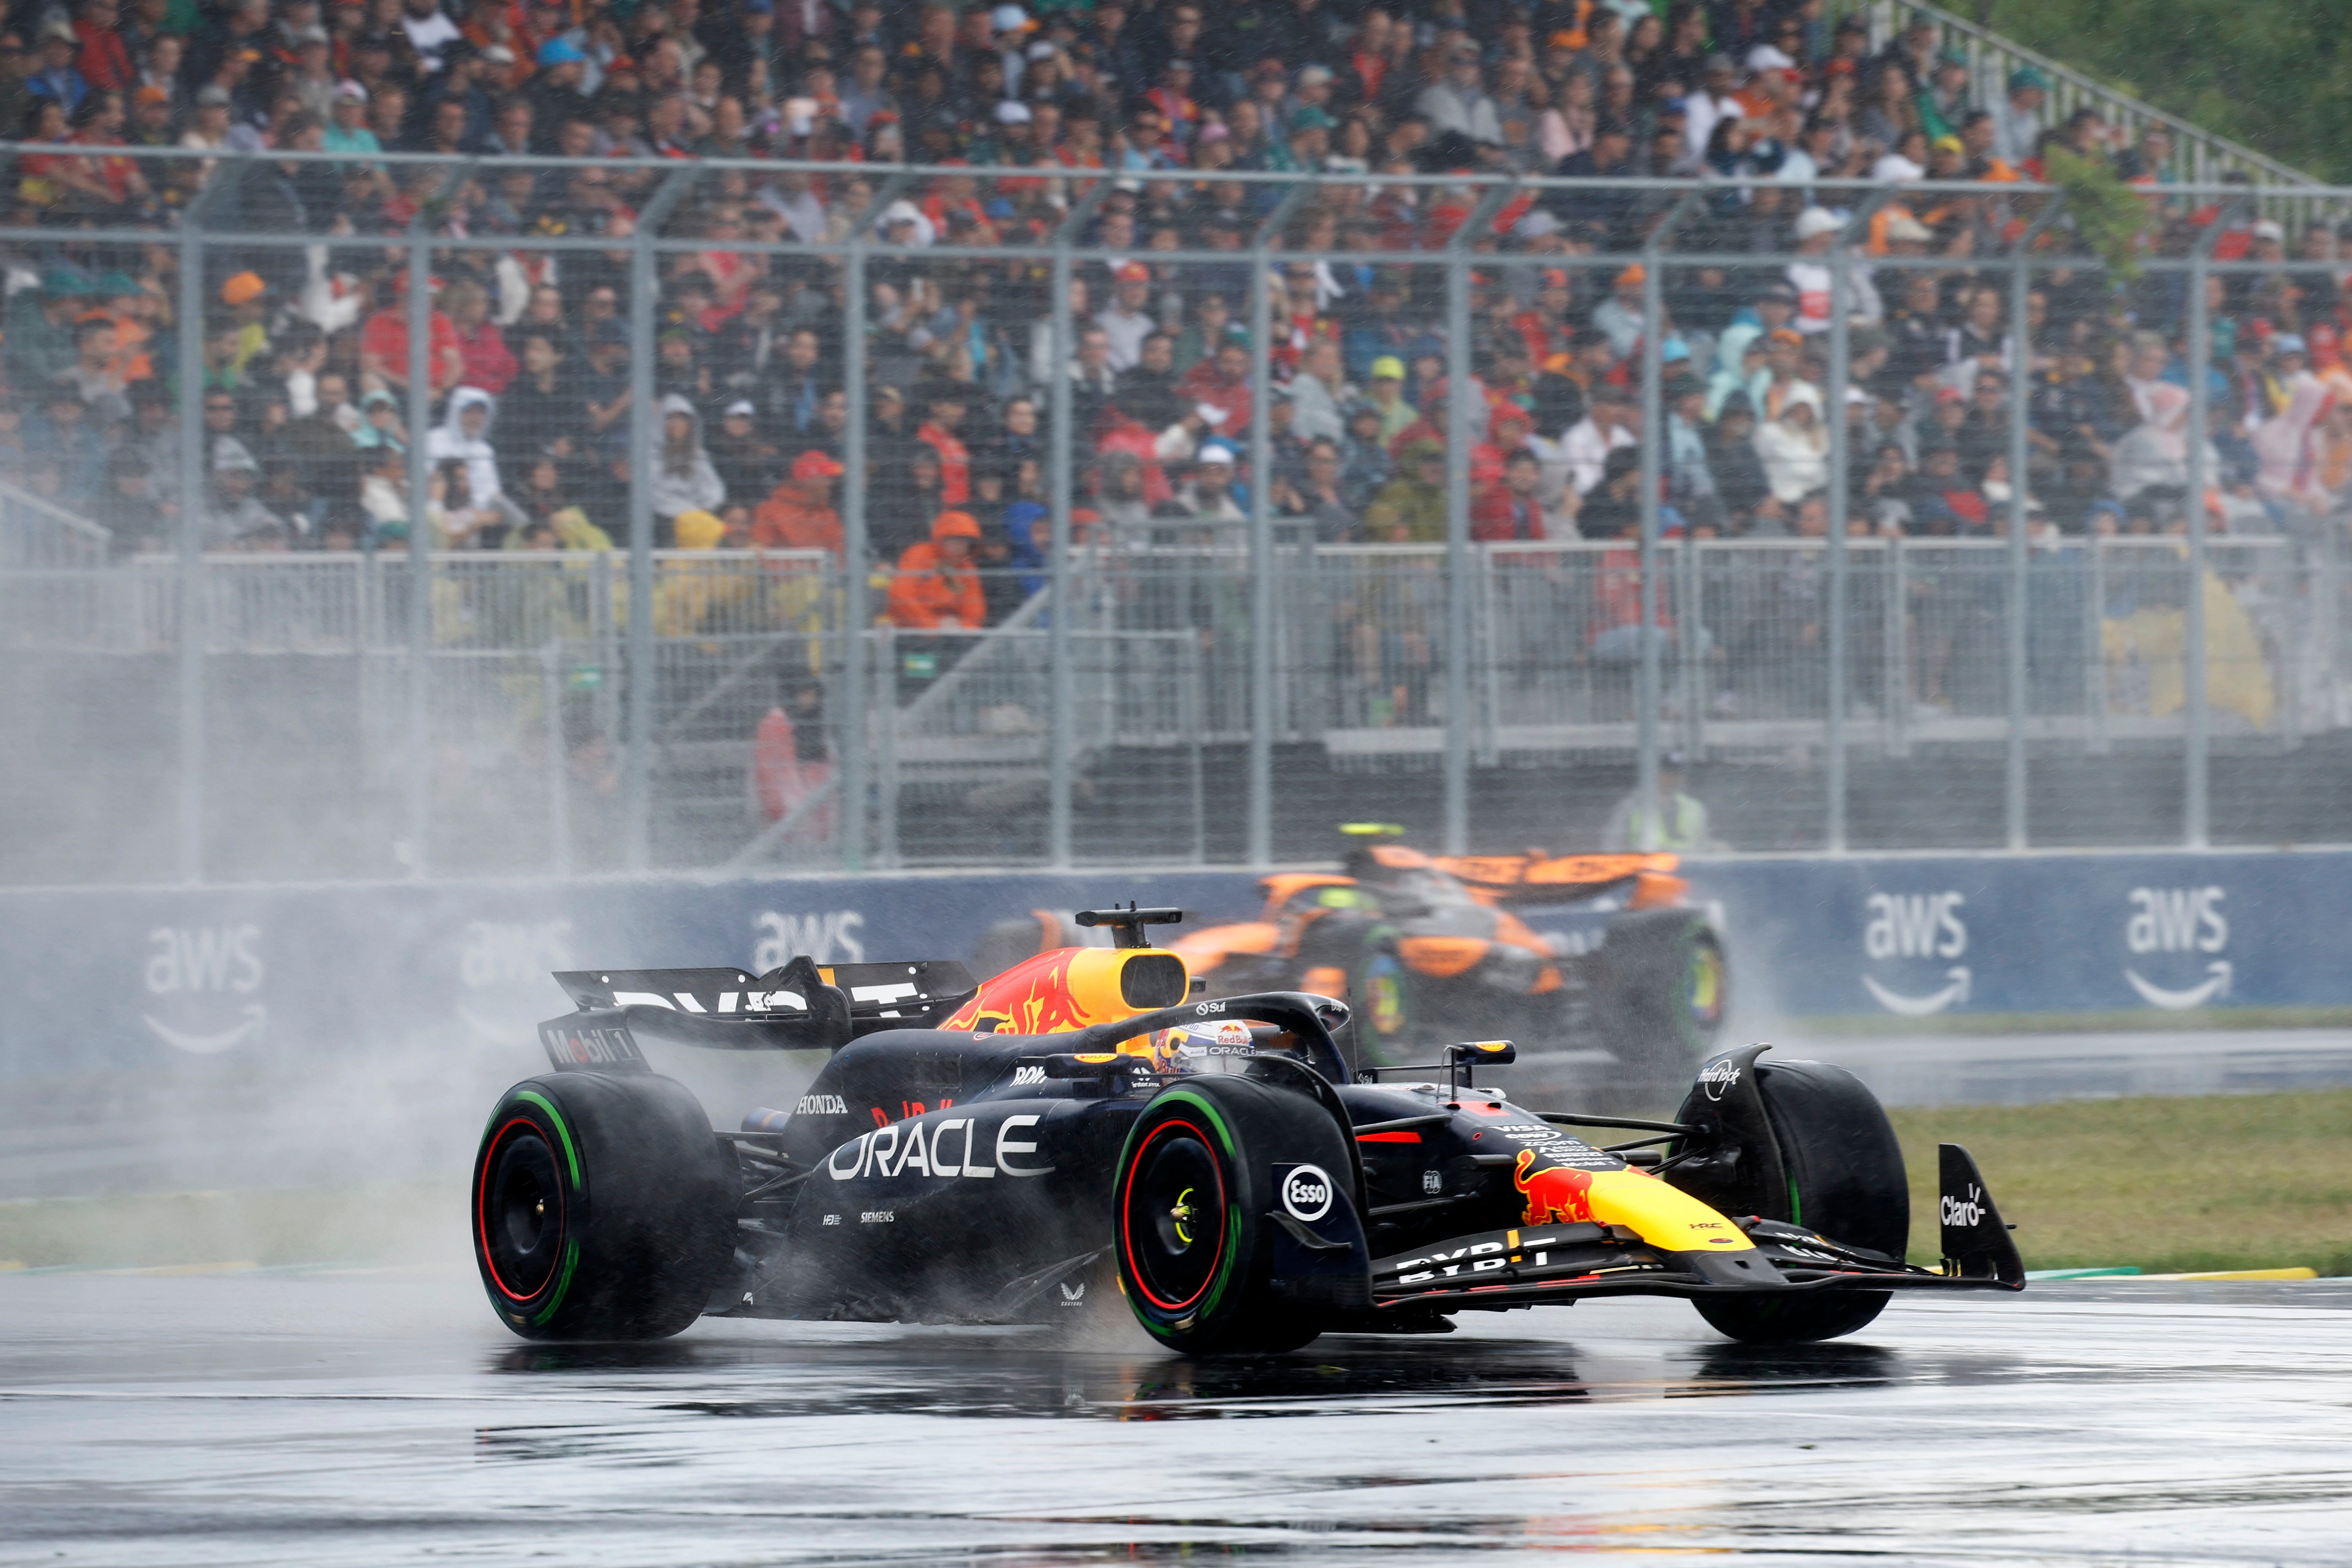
305 398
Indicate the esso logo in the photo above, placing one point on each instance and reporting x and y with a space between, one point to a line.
1307 1193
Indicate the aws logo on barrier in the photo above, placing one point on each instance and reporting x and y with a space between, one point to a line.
2177 920
205 980
502 968
827 938
1915 926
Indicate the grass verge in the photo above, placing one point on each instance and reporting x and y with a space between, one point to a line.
392 1223
2251 1180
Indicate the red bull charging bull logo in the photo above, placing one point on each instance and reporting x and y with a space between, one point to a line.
1561 1196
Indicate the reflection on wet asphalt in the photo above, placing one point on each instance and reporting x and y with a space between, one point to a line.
265 1418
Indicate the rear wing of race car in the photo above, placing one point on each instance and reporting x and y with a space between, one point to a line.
1537 879
800 1006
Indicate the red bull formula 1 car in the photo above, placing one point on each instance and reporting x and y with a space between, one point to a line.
1081 1127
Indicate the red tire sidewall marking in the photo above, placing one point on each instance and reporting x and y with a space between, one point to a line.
482 1215
1126 1207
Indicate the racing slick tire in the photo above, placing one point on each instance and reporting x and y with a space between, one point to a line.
604 1208
1664 992
1845 1180
1193 1210
1379 1003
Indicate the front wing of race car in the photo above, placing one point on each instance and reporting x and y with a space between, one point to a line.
1537 1265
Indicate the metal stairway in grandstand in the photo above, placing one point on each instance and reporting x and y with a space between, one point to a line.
36 533
2199 155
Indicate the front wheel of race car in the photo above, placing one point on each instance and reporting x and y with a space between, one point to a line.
1194 1210
1379 997
1665 991
1845 1180
602 1207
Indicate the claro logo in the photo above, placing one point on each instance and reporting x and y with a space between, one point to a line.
198 963
2179 920
1916 925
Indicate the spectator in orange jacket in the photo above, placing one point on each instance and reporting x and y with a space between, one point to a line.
798 513
936 586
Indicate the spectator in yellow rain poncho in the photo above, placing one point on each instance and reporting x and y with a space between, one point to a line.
692 595
2155 638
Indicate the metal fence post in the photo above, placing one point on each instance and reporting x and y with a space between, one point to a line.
1064 734
2020 600
1264 624
2195 805
2021 360
856 613
1464 431
1650 819
645 439
1833 771
419 747
193 478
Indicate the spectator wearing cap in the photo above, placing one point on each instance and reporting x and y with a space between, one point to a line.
1714 100
1810 275
946 403
55 78
745 459
1458 101
1207 495
798 513
347 126
2016 119
1944 101
1411 508
935 586
1127 320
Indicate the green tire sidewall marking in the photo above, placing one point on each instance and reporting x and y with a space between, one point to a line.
1796 1206
562 1283
571 1155
1232 1209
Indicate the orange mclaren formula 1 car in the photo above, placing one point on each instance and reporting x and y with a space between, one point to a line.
1593 962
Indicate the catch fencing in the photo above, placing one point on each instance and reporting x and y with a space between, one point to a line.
1216 690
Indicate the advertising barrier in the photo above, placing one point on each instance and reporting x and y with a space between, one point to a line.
116 980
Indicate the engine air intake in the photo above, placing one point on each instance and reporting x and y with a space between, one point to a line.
1153 980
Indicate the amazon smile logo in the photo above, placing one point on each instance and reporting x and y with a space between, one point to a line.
204 980
1916 926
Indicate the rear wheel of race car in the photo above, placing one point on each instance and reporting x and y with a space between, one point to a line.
1664 989
1193 1208
1845 1180
602 1207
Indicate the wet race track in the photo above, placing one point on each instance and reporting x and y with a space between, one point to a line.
263 1418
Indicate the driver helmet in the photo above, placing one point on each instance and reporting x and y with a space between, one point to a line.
1191 1047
